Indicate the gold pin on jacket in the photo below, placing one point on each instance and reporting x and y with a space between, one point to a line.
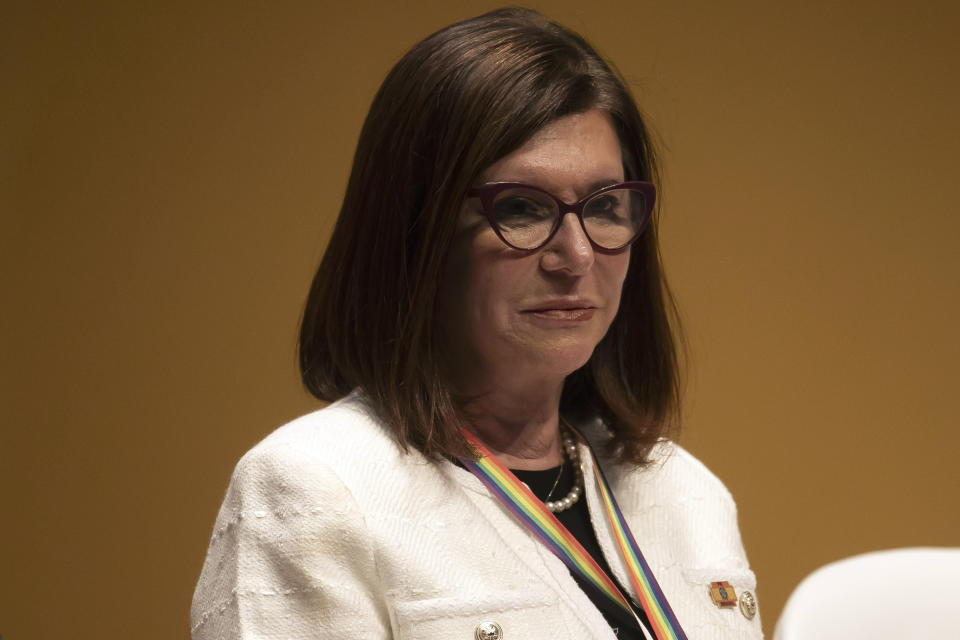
723 594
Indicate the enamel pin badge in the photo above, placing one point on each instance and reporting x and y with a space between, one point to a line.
723 594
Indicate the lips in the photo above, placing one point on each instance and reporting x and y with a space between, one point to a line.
566 315
563 310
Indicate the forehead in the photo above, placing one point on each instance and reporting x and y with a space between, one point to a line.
573 154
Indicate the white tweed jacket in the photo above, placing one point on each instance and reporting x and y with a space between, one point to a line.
330 530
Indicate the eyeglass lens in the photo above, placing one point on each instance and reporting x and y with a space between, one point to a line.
611 219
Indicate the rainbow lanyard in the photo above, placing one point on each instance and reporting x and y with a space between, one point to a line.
535 516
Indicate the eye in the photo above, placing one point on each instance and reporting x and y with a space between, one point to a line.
609 206
520 209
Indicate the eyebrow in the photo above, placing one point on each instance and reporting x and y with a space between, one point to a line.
600 184
596 185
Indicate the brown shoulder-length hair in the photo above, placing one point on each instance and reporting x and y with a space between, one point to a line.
457 102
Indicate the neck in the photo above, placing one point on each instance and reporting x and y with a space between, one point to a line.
521 431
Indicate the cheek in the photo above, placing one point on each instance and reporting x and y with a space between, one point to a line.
495 285
613 272
476 287
612 275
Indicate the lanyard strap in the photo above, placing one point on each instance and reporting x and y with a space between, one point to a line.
533 514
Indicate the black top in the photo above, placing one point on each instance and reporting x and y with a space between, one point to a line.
577 521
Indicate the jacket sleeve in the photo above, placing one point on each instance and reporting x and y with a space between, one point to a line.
289 556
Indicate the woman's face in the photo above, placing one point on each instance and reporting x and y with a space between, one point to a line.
509 319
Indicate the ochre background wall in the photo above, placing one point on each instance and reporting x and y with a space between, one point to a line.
170 173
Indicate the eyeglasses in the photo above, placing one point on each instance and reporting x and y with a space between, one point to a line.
527 217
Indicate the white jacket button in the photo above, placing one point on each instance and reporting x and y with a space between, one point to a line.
488 631
748 604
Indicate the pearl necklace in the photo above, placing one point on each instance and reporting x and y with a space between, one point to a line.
556 506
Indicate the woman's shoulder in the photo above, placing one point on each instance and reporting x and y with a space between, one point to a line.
673 481
289 508
672 467
669 469
343 436
344 425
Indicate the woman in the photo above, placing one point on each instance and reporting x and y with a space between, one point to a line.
475 337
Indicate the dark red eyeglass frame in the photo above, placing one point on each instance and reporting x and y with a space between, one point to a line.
487 192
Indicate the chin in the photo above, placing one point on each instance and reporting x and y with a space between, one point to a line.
565 360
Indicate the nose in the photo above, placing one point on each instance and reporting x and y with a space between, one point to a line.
569 250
